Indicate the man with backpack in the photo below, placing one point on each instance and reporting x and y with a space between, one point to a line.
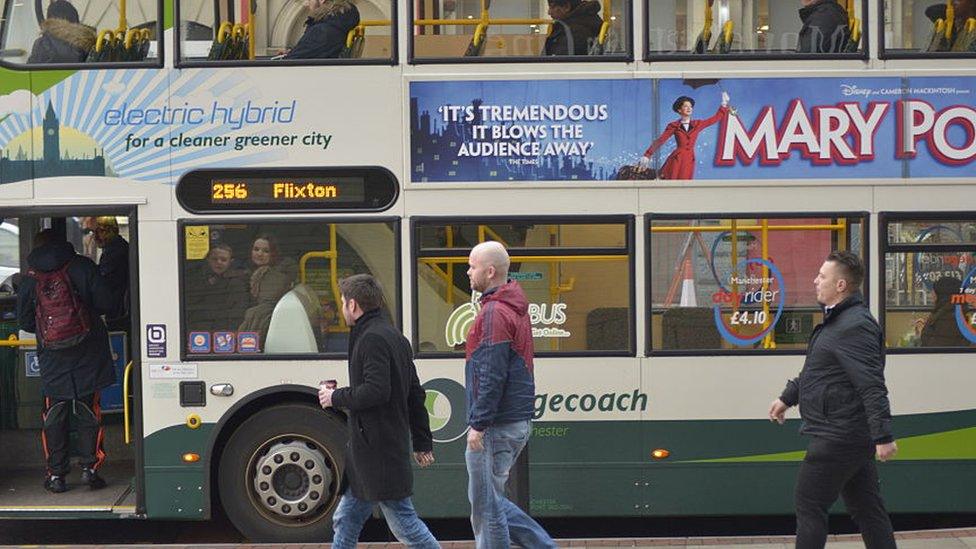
60 301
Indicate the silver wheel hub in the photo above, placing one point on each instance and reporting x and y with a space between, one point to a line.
292 480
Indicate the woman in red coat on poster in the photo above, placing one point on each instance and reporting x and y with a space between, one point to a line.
680 164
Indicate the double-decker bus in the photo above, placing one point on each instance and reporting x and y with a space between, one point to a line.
667 179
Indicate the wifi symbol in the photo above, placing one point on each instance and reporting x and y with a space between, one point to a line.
459 324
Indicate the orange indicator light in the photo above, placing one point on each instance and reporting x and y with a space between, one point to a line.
190 457
660 453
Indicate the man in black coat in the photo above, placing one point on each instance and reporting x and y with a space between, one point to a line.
844 406
824 27
575 26
63 38
113 265
384 404
70 377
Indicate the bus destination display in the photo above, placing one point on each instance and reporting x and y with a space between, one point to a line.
279 191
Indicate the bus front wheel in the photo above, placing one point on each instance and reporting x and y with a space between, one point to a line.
281 474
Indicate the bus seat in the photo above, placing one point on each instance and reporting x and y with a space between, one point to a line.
294 323
608 328
966 37
689 328
724 42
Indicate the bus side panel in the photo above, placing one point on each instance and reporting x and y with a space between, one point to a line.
176 489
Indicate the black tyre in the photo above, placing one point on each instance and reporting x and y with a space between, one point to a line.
281 472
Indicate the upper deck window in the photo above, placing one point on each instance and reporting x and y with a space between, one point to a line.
702 29
80 32
533 30
280 32
915 28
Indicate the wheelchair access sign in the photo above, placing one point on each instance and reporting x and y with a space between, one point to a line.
32 366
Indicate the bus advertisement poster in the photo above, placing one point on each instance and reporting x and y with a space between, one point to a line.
684 129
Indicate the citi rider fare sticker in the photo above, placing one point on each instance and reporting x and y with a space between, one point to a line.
199 342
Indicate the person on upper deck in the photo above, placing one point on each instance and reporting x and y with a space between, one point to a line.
328 23
63 38
824 27
575 26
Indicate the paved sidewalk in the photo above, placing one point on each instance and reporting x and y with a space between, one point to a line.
924 539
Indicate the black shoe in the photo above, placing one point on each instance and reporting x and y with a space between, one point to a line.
55 484
91 478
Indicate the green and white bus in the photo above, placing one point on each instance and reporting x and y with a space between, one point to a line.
669 263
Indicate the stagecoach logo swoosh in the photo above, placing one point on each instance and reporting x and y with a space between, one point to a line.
460 321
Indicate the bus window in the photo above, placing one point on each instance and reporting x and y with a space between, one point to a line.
272 288
313 31
914 27
930 281
68 32
740 283
586 30
754 27
576 276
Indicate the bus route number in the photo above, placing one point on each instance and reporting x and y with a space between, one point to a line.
228 191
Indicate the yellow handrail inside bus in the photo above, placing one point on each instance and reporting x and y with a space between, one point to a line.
105 37
126 374
123 24
14 341
360 29
950 19
605 26
252 12
332 254
225 28
526 258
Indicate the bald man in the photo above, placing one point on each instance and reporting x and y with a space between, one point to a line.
500 394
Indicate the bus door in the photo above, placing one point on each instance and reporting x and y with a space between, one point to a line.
43 414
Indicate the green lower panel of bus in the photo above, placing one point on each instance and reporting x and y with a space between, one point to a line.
712 468
175 488
606 468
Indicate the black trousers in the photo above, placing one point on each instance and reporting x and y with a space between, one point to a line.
832 469
57 424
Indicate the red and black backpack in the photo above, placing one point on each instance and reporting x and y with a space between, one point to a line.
62 318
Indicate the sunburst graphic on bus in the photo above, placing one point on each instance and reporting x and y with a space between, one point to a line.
749 309
460 321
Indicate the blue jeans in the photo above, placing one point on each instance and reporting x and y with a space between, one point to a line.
352 512
496 521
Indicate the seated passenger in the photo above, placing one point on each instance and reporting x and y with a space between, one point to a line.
576 25
63 38
328 23
940 329
216 294
962 10
824 27
271 278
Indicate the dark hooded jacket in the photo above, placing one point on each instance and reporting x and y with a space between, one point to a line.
215 302
941 329
113 265
385 407
841 389
498 369
573 34
87 367
824 28
325 31
62 41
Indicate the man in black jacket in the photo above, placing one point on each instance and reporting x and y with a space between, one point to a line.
575 25
824 27
113 265
70 377
844 406
384 404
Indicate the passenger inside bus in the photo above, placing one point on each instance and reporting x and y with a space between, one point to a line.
113 264
217 293
576 26
328 24
940 328
63 38
962 36
271 276
824 27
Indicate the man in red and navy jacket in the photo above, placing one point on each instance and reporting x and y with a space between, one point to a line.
500 396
